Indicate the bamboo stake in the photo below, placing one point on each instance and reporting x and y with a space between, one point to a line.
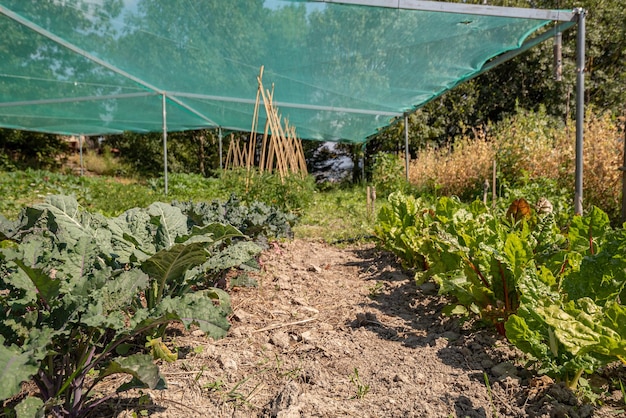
230 152
255 121
302 161
263 162
236 151
276 131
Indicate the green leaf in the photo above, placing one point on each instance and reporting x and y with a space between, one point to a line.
7 228
583 327
68 220
211 233
30 407
15 367
529 340
133 235
140 366
233 255
171 223
47 288
208 309
586 233
135 383
168 267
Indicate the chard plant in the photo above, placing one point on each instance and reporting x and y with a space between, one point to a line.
80 294
555 292
573 321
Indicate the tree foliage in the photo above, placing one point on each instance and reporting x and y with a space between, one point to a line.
527 82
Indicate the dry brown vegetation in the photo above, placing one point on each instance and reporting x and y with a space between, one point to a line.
526 148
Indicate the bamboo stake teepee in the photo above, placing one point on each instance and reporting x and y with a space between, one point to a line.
281 149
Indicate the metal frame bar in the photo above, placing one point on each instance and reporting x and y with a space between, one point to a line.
76 99
580 111
461 8
283 104
47 34
164 103
406 146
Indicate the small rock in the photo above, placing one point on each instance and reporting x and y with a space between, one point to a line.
429 288
504 369
197 333
308 337
314 268
285 404
400 378
281 339
228 363
240 315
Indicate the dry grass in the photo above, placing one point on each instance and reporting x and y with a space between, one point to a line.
103 164
527 148
453 171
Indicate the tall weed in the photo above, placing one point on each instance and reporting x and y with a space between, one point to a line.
458 169
528 148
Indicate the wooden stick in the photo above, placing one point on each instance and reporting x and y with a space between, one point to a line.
230 152
275 326
255 121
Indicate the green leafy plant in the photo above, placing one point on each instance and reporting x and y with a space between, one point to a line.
388 174
471 253
555 292
79 292
361 388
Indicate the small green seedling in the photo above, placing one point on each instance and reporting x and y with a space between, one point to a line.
361 388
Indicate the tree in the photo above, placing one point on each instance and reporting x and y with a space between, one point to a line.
526 82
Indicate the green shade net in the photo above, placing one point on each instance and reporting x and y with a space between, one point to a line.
338 72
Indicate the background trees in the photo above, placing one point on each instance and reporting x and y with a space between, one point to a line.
525 82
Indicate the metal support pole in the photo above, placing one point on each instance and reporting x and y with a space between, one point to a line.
363 151
406 145
81 139
580 111
623 170
219 136
165 142
558 56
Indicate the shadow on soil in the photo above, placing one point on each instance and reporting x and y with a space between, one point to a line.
469 346
393 293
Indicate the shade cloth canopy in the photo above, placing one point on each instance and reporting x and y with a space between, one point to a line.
339 71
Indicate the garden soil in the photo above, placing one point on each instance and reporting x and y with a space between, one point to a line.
335 331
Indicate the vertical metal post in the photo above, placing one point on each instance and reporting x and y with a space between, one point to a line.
219 136
558 56
623 170
406 145
580 111
363 151
165 142
80 148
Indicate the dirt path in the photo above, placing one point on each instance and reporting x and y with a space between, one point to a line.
332 332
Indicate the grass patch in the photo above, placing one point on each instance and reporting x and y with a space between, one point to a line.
337 215
334 216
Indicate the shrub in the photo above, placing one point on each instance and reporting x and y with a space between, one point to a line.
388 174
292 194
